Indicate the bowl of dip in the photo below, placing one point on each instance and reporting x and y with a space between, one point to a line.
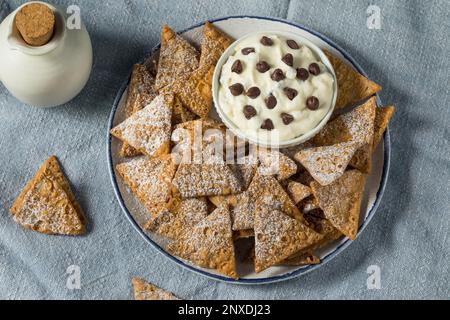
274 89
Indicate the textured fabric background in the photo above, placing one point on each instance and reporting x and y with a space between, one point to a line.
408 238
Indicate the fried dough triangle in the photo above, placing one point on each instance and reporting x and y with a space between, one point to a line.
356 126
327 164
341 201
150 180
149 130
264 190
213 178
145 291
177 58
352 86
214 44
140 93
209 244
47 205
278 236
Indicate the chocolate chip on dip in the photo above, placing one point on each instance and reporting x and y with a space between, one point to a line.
262 66
266 41
236 89
293 44
249 112
247 51
273 86
271 102
278 75
253 92
314 69
268 125
237 67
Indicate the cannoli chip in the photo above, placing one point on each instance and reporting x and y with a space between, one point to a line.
327 164
149 130
214 44
209 244
301 259
206 179
341 201
47 205
176 59
278 236
273 162
150 180
145 291
352 86
264 190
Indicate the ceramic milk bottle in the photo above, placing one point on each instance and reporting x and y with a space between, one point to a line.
47 75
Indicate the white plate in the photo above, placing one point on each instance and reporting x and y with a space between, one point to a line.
238 27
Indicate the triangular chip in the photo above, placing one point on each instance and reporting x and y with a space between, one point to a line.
149 130
356 126
352 86
177 58
382 118
173 223
264 190
194 90
150 180
298 191
273 162
140 93
341 201
47 204
327 164
278 236
209 244
145 291
214 44
207 179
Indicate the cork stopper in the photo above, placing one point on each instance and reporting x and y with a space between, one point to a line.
35 23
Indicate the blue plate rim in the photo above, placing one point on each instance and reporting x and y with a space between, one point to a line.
296 273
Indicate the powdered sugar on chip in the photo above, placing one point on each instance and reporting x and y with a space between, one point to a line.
326 164
149 130
210 243
150 180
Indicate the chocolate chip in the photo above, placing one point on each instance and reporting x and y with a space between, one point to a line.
266 41
262 66
302 74
288 59
278 75
253 92
247 51
287 118
267 125
290 93
312 103
236 89
314 69
249 112
292 44
271 102
237 67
